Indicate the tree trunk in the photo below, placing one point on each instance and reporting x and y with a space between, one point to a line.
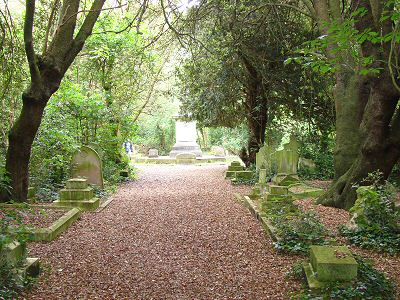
46 73
380 144
351 95
21 138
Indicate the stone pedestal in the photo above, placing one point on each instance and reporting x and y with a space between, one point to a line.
77 193
329 264
14 256
186 136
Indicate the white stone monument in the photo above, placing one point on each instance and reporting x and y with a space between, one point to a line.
186 135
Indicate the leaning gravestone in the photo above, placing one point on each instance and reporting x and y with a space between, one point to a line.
263 158
218 151
153 153
87 163
286 160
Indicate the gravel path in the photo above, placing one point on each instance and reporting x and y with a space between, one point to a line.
176 233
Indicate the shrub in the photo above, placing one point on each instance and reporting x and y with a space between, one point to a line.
376 218
297 233
12 229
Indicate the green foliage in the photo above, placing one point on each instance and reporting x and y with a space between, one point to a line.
231 139
298 232
370 285
12 228
318 148
4 179
376 218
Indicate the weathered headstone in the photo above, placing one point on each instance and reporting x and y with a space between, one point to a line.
305 163
186 136
87 163
262 176
96 147
218 151
263 158
285 161
185 158
153 153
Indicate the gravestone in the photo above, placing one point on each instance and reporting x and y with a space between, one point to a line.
285 161
96 147
153 153
262 177
263 158
186 136
218 151
306 163
87 163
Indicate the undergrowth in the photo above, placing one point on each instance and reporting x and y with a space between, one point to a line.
375 217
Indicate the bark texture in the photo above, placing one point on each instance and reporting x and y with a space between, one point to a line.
367 113
257 111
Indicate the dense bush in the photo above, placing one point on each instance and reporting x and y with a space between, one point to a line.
231 139
298 231
322 155
377 220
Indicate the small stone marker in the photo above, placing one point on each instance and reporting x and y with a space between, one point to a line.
153 153
185 158
235 163
218 151
87 163
77 193
330 264
262 176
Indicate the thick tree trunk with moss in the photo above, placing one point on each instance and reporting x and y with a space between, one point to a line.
368 121
256 111
379 149
350 99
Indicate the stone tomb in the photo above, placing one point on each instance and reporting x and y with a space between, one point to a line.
153 153
87 163
77 193
330 264
186 136
185 158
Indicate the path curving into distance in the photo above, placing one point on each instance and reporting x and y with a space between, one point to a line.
175 233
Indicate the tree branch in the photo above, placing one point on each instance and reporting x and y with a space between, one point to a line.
84 32
28 41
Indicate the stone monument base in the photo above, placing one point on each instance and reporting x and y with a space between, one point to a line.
185 147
